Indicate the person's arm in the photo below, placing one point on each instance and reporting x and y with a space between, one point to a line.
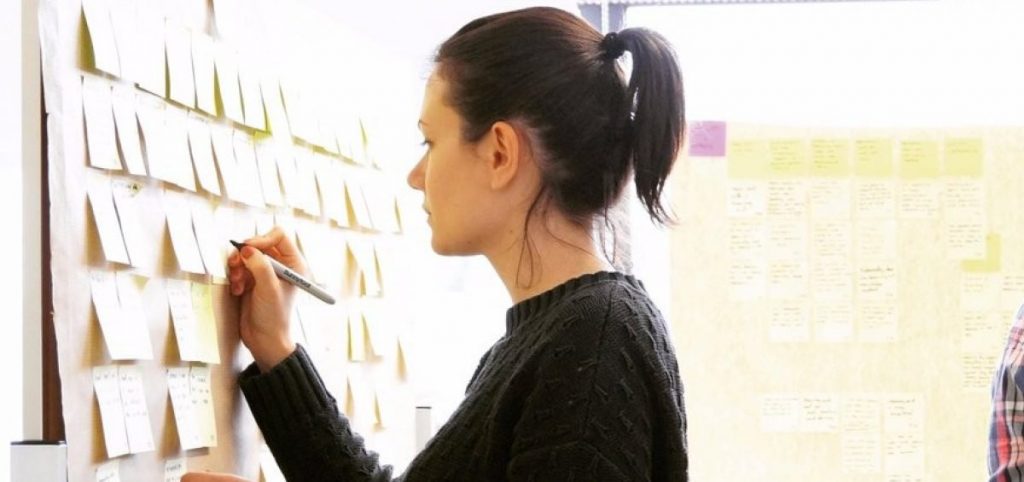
310 439
1006 431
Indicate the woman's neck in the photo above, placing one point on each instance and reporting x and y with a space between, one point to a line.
558 251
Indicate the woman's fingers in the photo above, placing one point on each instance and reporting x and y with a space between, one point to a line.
275 238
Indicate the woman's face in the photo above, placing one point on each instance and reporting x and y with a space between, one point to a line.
464 213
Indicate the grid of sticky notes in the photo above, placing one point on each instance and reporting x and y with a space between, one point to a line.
190 136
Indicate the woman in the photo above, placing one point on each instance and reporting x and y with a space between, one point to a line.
531 133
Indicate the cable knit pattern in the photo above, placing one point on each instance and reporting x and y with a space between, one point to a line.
584 386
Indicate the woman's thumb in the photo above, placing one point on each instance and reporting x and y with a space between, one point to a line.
259 265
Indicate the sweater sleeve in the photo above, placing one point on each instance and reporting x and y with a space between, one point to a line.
310 439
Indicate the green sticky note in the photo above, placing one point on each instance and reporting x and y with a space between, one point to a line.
993 257
919 160
787 158
747 159
964 157
830 158
872 158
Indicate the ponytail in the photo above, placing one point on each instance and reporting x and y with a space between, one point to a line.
655 103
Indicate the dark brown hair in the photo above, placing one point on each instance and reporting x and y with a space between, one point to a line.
552 72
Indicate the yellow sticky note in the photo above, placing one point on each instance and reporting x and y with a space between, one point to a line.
964 157
830 158
919 159
872 158
788 158
206 320
993 257
747 159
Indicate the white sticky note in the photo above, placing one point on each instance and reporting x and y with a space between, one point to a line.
379 333
246 172
186 324
363 252
206 322
175 468
150 112
150 55
266 162
179 64
128 202
212 249
223 148
133 315
179 159
288 175
136 412
356 336
178 381
202 403
264 222
123 20
380 202
201 149
331 187
276 114
123 101
183 239
105 215
357 202
101 33
113 325
109 471
226 61
203 72
252 98
305 176
99 123
108 394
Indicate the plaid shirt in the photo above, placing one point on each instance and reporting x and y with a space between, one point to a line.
1006 435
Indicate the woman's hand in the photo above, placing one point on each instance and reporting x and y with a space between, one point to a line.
208 477
266 303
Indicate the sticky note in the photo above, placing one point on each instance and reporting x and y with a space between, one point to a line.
707 139
873 158
105 216
919 159
150 112
175 468
748 159
99 123
101 35
380 412
150 54
183 239
179 64
109 471
331 187
178 157
964 157
226 61
252 98
202 402
246 170
203 72
363 252
128 203
224 152
830 158
201 149
133 315
136 412
306 181
276 114
206 322
288 175
356 336
357 203
123 101
108 394
103 288
787 158
993 257
212 248
178 388
266 163
186 325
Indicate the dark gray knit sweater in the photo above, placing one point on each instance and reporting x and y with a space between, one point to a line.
584 386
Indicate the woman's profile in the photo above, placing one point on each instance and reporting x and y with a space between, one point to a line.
532 131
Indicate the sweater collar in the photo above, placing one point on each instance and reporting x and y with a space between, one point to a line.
531 307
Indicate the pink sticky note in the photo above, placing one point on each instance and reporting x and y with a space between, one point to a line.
707 138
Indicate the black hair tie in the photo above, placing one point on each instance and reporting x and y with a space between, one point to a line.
612 47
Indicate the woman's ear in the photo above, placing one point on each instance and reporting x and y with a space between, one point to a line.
502 150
